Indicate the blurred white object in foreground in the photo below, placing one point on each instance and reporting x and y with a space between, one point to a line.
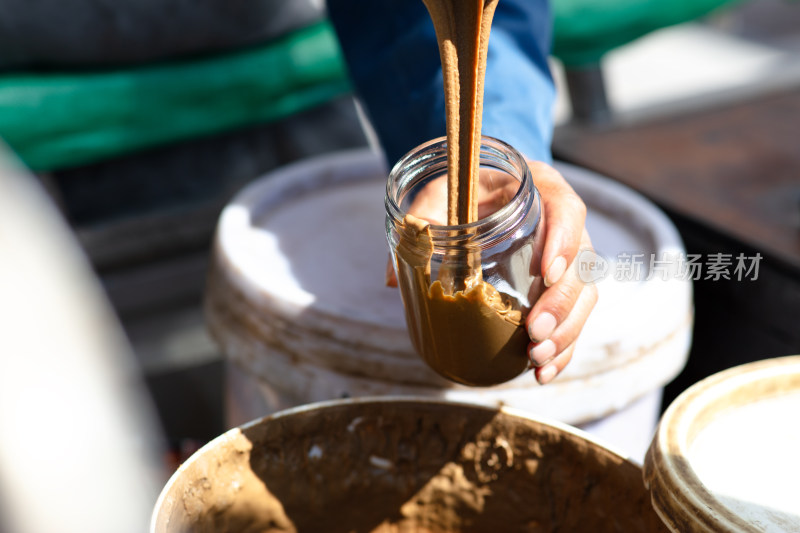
79 441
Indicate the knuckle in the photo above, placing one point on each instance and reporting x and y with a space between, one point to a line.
586 239
562 300
563 341
564 358
576 204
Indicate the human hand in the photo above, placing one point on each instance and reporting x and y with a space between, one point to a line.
558 316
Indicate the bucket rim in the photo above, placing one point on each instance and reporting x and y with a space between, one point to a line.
675 488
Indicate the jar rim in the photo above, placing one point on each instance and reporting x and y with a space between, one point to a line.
481 226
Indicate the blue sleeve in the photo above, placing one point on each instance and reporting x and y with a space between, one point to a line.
391 52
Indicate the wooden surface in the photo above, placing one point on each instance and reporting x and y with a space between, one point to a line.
729 178
734 169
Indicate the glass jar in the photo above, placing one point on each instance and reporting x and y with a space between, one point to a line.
467 289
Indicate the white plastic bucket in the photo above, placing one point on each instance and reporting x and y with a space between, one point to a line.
297 302
725 457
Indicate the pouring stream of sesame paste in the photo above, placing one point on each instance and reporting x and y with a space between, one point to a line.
461 325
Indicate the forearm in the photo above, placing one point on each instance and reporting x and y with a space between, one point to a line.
391 51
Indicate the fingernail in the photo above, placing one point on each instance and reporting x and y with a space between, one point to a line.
546 375
555 271
543 352
542 327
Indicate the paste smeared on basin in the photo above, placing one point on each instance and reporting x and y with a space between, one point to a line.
460 324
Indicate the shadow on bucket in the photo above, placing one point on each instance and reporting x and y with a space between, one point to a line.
391 465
